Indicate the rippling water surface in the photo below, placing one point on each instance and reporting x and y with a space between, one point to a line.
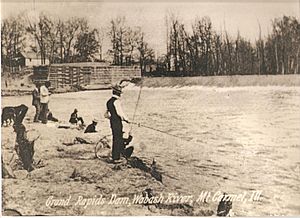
231 139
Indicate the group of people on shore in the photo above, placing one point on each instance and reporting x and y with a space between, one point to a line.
114 112
40 100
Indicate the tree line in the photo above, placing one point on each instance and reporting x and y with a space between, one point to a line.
59 41
72 40
201 51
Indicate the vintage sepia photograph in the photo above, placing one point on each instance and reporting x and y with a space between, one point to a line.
150 108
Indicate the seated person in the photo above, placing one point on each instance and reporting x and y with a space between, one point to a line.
92 127
74 118
51 117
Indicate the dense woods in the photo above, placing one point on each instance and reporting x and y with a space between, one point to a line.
206 52
201 51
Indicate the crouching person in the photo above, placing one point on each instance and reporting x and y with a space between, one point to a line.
74 119
51 117
92 127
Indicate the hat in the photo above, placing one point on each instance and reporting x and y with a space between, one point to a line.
37 84
75 110
48 83
117 88
95 120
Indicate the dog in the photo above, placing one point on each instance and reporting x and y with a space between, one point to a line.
8 116
13 114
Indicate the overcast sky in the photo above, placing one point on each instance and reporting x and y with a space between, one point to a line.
234 15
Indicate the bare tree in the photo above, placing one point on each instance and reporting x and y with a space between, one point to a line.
146 54
117 35
13 38
73 27
86 46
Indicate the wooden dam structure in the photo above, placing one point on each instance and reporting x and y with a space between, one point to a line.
89 75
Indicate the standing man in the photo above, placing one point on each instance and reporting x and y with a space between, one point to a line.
45 97
116 116
36 102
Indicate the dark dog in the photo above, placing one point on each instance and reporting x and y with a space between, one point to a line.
13 114
8 116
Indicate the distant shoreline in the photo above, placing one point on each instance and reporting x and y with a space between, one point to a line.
289 80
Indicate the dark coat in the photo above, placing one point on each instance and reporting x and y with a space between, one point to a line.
117 129
35 97
73 118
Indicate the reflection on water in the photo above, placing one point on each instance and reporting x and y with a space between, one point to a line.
233 139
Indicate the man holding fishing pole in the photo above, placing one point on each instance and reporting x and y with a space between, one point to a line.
116 116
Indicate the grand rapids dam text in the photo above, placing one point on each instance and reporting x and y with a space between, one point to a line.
171 198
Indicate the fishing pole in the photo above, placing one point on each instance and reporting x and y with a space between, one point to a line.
133 80
137 102
158 130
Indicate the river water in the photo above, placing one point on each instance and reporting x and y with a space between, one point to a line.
234 140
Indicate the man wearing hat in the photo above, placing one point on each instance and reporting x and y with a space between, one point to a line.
92 127
116 116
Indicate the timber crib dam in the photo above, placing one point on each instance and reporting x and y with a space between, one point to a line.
88 75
